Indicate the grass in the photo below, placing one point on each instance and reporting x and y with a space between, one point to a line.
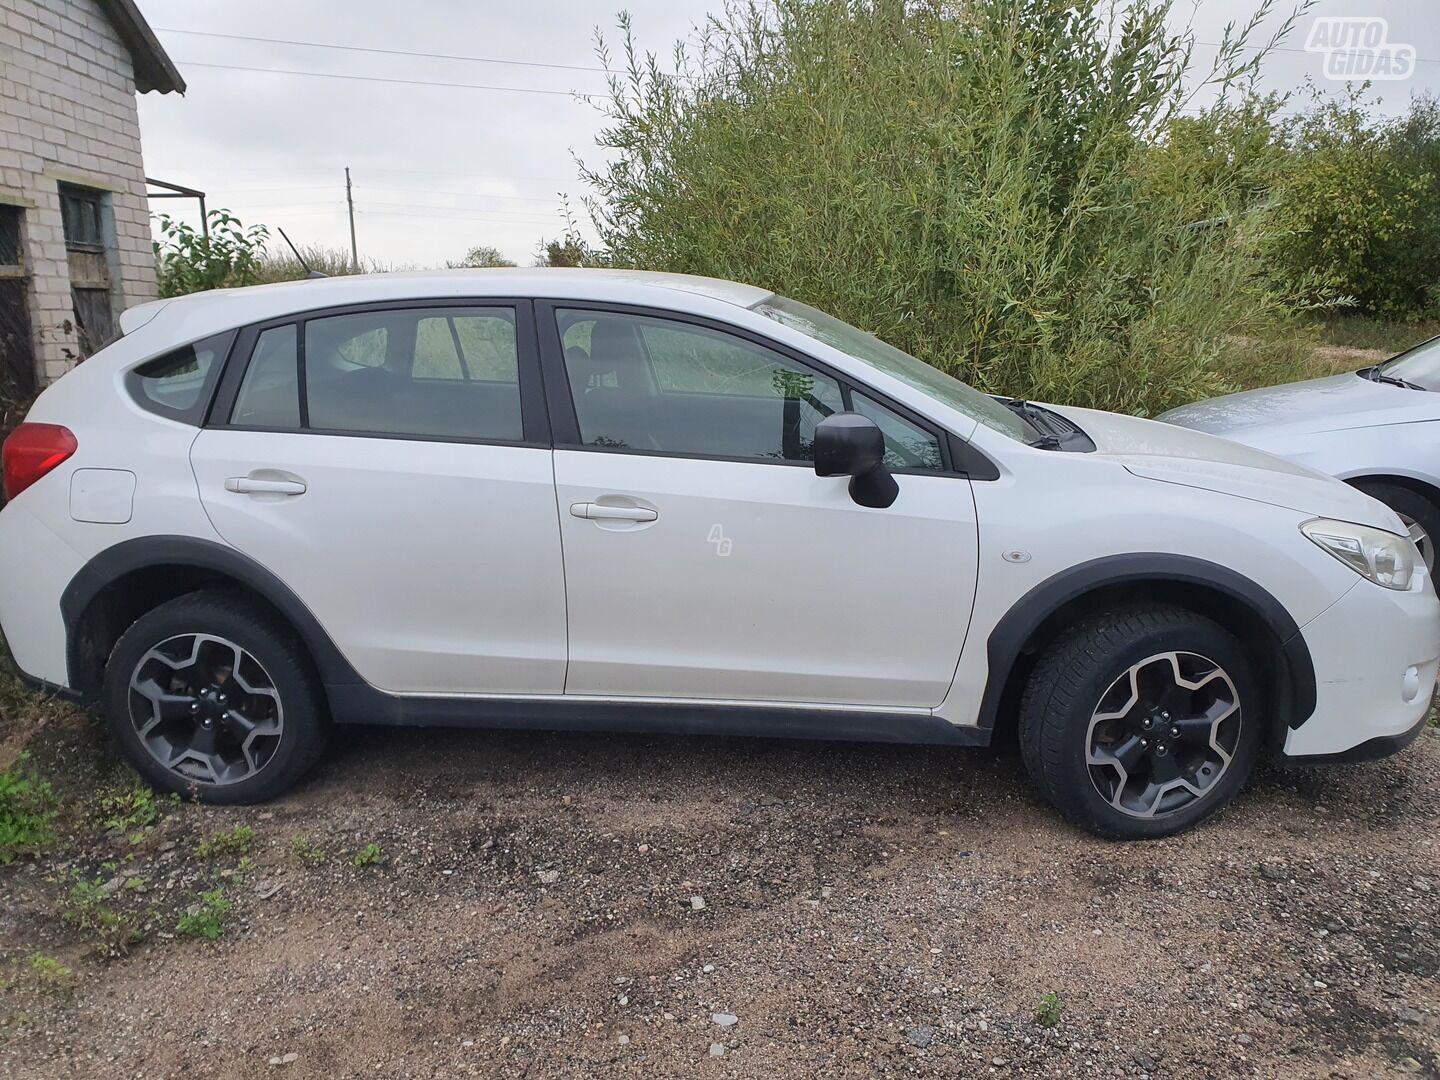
28 808
227 843
129 809
306 850
279 264
1360 332
49 974
111 930
206 917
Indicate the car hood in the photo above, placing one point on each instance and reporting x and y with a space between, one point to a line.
1337 403
1177 455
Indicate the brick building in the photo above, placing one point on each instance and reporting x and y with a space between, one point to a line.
75 245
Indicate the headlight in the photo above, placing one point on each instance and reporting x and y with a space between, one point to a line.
1384 557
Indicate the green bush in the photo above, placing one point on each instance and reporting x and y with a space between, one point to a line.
979 183
27 811
1357 202
187 260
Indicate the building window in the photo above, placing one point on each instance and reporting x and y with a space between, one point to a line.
84 213
17 349
86 216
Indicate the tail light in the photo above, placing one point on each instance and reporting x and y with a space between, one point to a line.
31 451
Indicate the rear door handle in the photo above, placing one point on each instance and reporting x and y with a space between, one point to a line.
602 512
249 485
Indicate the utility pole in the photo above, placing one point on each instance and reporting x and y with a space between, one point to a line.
350 201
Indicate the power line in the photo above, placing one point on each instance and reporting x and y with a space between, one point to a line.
277 188
387 52
363 203
327 169
1315 52
379 79
417 212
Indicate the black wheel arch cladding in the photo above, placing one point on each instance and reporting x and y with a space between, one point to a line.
1294 689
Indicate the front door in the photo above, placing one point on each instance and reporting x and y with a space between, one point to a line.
704 559
378 462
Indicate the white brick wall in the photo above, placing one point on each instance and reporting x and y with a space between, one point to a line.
67 113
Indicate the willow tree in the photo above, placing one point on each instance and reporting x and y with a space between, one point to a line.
981 182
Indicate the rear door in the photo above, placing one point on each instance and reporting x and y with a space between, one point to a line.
705 559
392 466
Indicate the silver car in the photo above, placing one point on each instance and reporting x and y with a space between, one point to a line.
1377 428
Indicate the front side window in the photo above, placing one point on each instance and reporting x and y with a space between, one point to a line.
178 384
643 383
907 445
423 372
914 373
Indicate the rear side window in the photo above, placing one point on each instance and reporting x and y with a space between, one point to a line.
270 395
178 384
433 372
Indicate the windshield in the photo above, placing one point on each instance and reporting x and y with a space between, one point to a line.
892 361
1421 365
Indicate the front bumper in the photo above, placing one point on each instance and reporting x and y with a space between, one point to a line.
1381 746
1376 653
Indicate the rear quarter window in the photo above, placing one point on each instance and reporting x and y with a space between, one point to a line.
178 385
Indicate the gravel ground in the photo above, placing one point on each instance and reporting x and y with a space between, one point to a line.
565 905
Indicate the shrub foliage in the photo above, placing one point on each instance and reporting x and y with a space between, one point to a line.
981 183
187 260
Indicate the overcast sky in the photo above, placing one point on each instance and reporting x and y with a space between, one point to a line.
439 169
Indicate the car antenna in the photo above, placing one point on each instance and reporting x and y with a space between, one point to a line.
300 258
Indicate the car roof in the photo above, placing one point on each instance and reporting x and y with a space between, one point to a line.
228 308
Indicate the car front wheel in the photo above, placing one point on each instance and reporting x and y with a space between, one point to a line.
1141 722
211 698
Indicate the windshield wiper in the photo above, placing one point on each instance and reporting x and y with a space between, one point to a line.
1374 374
1036 417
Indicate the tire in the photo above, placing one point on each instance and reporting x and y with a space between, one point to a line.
1082 681
235 727
1415 509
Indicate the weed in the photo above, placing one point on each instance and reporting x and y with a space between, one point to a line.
306 850
51 975
206 918
229 842
27 811
369 855
129 809
111 930
1047 1014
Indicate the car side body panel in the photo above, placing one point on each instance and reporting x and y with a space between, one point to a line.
1042 515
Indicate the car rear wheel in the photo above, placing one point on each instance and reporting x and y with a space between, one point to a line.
1141 722
211 698
1420 516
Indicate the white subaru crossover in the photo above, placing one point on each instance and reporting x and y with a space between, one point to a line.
644 502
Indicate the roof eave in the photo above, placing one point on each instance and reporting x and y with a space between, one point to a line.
154 70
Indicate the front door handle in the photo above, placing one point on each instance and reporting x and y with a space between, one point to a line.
603 512
249 485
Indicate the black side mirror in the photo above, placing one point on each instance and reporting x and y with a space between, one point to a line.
848 444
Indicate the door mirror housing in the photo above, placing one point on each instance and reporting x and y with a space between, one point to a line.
848 444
